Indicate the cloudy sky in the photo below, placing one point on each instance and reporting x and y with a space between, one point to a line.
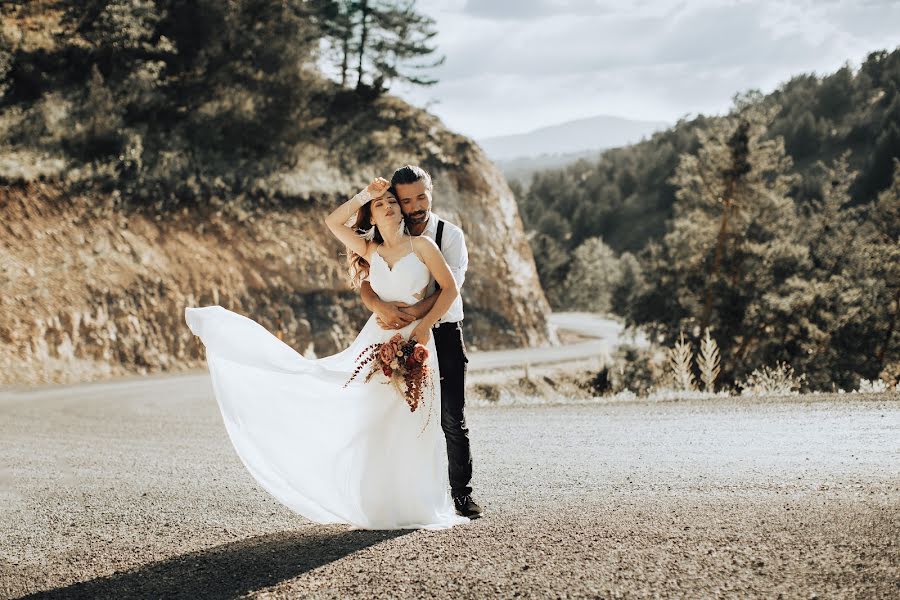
515 65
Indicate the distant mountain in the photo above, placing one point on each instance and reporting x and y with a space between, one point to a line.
521 169
579 136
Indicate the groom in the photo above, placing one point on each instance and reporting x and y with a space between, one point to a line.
412 186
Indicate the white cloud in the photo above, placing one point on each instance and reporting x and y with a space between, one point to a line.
515 65
528 9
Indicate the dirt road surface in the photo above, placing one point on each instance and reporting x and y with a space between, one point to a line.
132 489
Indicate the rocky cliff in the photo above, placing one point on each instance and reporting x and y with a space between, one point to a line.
93 289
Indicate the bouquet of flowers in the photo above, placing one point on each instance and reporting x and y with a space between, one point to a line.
402 362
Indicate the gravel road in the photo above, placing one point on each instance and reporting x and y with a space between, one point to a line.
131 489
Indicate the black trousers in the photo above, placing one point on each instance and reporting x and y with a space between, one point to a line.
453 363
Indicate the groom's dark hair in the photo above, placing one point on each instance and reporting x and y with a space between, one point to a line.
411 174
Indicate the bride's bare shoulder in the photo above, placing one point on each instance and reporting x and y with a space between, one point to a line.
422 243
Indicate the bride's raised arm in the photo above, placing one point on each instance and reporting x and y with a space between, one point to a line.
337 219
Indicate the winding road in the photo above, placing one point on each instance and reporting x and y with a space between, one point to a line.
607 334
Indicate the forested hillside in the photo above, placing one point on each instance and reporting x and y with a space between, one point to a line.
774 226
172 102
626 196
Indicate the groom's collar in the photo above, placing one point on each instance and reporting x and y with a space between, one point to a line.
432 223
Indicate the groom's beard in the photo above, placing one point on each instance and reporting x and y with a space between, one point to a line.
417 217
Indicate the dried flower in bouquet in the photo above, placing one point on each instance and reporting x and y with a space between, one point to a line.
402 362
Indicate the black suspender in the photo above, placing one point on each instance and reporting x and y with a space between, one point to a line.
437 240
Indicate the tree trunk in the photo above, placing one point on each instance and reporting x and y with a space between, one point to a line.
345 58
739 150
717 260
364 11
880 353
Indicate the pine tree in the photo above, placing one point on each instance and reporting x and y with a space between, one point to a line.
629 285
337 18
552 263
96 131
732 241
830 309
886 258
594 273
6 62
388 41
403 45
886 151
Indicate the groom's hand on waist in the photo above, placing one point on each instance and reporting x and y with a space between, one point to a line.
393 315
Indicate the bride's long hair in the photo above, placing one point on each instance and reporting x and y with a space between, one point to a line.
357 265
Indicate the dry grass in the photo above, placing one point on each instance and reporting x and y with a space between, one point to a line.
708 362
680 358
778 381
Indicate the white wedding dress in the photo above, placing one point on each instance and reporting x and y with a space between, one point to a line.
333 454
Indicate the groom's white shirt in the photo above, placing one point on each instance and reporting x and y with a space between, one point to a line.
453 247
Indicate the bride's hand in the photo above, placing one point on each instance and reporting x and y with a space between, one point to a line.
421 334
378 187
390 315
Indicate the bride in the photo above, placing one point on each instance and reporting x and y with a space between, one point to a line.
331 453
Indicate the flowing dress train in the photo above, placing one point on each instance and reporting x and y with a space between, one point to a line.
333 454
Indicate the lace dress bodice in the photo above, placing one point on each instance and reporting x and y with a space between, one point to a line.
405 282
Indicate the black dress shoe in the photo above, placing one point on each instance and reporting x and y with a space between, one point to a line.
467 507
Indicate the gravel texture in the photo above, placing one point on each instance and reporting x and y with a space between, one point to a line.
131 489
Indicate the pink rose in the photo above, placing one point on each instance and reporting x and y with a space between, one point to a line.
420 354
386 353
